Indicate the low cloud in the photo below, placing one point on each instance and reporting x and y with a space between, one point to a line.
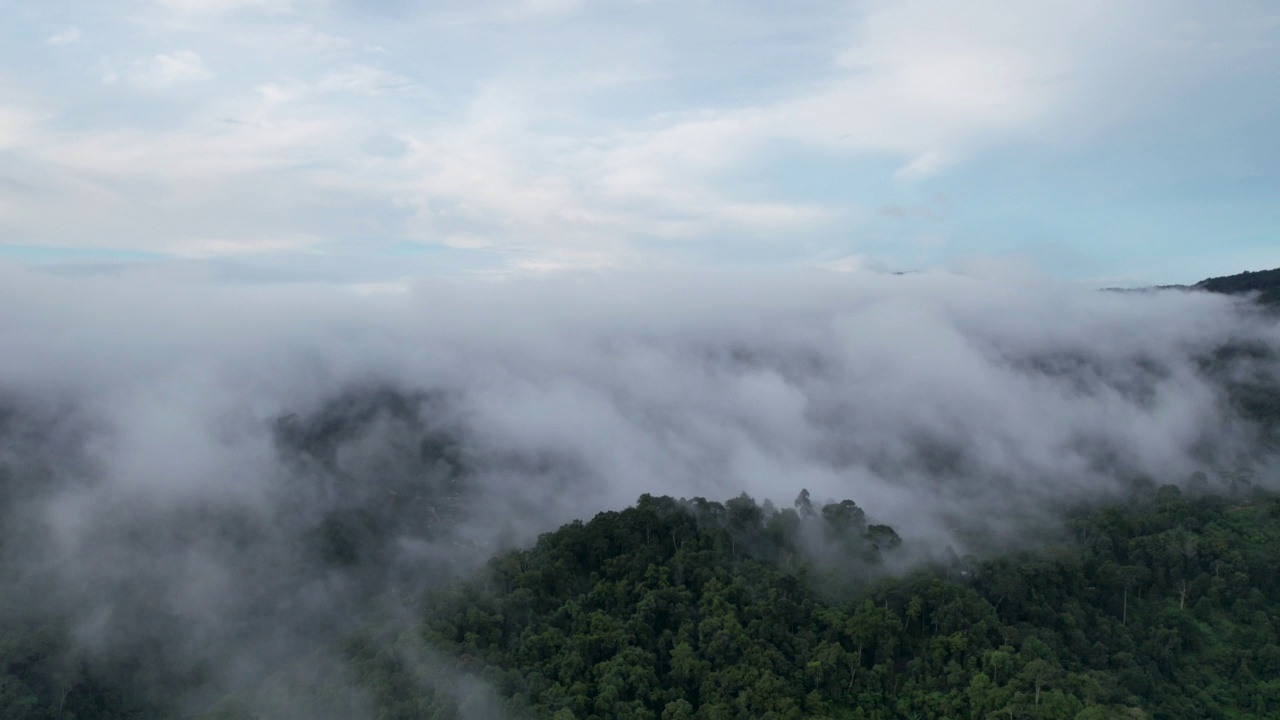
925 389
213 476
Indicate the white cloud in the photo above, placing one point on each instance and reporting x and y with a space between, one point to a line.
65 37
213 188
492 181
173 68
160 71
366 80
14 124
579 140
917 84
536 8
927 81
501 12
316 40
204 155
211 7
208 247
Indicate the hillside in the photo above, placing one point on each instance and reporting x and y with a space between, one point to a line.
1266 283
677 609
1163 608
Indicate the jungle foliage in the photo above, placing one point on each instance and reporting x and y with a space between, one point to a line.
690 609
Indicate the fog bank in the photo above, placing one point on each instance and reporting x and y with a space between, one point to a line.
222 460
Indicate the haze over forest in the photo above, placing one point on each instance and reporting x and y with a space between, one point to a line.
639 360
202 490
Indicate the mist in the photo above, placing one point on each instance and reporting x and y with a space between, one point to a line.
210 476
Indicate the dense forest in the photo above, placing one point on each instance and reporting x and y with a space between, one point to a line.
671 609
1165 607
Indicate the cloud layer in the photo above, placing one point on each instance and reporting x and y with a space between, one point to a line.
507 136
212 477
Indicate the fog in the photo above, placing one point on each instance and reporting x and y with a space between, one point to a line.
211 475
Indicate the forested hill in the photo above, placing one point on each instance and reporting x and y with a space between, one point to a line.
1266 283
671 610
1163 608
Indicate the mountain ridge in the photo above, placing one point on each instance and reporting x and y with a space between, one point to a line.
1266 283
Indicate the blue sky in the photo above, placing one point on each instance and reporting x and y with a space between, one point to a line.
1107 141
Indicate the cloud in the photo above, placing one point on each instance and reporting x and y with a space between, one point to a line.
174 447
317 40
538 8
845 376
916 82
627 135
366 80
14 125
65 37
926 81
186 178
211 7
160 71
174 68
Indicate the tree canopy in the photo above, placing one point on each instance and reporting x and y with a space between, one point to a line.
1161 608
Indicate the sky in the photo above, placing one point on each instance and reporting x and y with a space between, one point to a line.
1113 142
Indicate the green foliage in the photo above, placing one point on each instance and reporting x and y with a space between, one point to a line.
692 609
1266 283
697 610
